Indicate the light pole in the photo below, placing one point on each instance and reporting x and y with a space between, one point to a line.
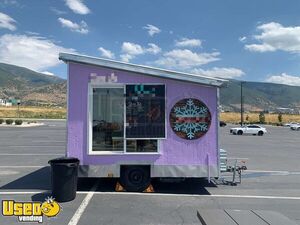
18 103
242 105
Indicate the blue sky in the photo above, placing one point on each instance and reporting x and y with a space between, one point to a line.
249 40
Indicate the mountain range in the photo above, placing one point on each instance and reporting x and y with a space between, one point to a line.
31 87
36 89
258 96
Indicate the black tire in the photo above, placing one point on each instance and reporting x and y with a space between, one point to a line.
260 133
240 132
135 178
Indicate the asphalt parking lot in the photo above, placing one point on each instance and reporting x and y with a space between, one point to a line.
271 182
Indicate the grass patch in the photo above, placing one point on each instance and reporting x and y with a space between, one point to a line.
33 112
232 117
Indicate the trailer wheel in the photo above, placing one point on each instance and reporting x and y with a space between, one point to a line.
135 178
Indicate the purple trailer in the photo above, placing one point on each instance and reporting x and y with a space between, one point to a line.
137 122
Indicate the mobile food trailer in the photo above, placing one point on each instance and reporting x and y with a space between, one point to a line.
136 122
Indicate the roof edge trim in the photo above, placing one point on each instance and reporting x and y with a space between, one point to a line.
147 70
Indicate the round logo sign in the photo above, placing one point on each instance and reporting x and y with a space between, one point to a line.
190 118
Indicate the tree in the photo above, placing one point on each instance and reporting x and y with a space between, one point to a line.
262 118
280 117
247 118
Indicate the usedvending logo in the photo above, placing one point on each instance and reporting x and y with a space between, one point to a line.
31 211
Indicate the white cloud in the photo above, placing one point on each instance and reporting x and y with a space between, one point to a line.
7 22
33 52
260 48
80 28
48 73
153 49
274 37
185 42
126 57
152 29
78 7
242 39
132 48
57 11
222 72
106 53
32 33
10 2
186 59
284 79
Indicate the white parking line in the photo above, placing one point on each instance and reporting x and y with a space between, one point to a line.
76 217
36 146
266 171
273 172
8 172
21 166
197 195
29 154
19 192
92 192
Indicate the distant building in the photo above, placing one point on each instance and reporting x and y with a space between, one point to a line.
221 108
285 110
7 102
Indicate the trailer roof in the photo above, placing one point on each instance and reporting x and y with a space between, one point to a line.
147 70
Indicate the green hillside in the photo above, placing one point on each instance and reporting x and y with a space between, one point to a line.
31 87
10 74
260 95
35 88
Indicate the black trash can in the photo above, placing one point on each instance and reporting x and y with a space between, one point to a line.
64 175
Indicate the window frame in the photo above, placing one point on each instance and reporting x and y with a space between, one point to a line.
89 137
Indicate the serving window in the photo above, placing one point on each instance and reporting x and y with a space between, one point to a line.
126 119
108 119
145 111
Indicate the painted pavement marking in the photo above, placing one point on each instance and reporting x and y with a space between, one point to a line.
35 146
76 217
29 154
23 166
93 192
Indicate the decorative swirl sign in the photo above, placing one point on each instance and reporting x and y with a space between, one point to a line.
190 118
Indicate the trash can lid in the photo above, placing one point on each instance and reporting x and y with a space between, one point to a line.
63 160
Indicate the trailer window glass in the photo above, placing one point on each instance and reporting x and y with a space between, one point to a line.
145 111
141 145
108 119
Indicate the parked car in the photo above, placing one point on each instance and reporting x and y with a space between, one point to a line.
249 129
290 124
222 124
295 127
